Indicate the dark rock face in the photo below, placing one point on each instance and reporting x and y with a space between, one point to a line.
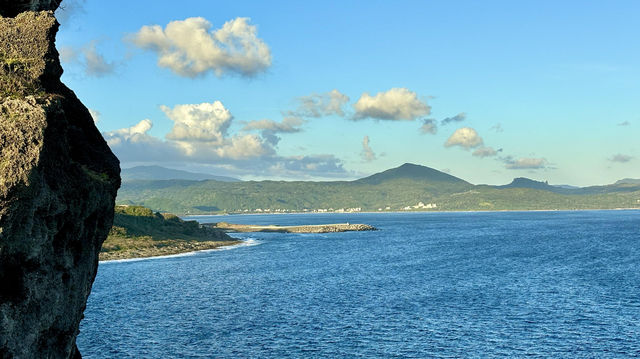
11 8
58 182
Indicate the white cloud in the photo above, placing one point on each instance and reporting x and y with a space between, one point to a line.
95 115
206 122
287 125
525 163
397 104
270 129
624 123
136 133
367 153
485 152
243 147
199 137
620 158
465 137
190 48
429 125
321 104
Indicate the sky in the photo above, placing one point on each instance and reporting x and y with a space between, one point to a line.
486 91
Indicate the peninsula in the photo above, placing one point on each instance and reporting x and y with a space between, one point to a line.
138 232
317 228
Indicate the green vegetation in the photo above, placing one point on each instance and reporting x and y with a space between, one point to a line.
139 232
390 190
15 78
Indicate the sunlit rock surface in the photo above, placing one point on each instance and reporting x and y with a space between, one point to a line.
58 181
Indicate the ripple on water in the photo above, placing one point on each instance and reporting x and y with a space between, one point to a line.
540 284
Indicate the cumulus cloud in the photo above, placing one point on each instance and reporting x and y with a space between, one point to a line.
429 125
457 118
620 158
397 104
625 123
269 129
367 153
465 137
320 104
206 122
89 58
200 137
191 48
485 152
525 163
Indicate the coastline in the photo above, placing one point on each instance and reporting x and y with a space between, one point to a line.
241 243
401 212
166 249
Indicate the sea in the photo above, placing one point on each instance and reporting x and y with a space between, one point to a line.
558 284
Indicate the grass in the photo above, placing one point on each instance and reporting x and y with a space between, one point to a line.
139 232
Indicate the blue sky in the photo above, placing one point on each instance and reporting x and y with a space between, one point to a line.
311 90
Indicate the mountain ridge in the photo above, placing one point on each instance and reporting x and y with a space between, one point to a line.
407 187
159 173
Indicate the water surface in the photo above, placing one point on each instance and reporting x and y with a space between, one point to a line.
509 284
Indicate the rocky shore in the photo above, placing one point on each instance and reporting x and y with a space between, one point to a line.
316 228
145 248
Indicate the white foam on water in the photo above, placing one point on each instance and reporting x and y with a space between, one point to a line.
249 242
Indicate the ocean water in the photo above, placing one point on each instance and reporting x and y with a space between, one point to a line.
443 285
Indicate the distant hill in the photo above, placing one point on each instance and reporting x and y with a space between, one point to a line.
161 173
628 181
413 172
522 182
408 187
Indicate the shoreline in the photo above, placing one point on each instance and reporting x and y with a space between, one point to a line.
237 244
305 228
401 212
177 248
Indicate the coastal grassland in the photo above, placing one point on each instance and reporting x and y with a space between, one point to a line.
139 232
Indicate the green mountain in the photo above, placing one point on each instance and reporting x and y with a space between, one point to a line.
162 173
401 188
410 171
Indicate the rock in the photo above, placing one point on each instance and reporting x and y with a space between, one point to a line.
58 182
11 8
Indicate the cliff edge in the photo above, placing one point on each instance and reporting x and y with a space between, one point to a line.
58 182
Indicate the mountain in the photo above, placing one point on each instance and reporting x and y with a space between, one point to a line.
522 182
628 181
162 173
398 189
413 172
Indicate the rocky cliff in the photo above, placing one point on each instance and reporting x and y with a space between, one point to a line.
58 182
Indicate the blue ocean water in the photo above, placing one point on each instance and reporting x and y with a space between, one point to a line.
445 285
